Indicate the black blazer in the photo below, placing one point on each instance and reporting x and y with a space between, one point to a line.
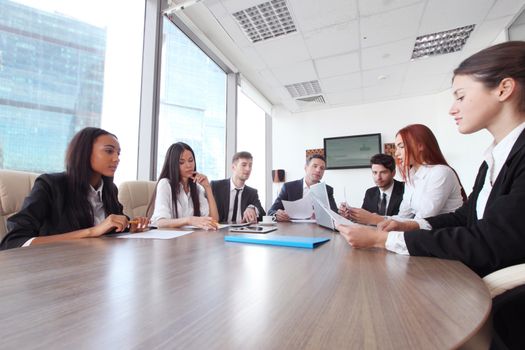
489 244
43 212
221 192
371 201
292 191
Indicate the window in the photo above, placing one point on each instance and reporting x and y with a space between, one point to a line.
65 65
251 137
192 102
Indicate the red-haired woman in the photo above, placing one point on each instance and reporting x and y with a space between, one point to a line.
432 187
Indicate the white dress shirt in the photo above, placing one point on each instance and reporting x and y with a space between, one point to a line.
388 193
95 199
495 156
233 192
164 208
433 190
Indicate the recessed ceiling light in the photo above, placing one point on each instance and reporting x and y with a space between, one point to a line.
382 77
265 21
441 43
304 89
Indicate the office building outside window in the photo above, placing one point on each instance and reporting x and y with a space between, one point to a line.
192 102
65 66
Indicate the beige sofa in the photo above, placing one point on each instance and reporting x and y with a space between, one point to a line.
14 188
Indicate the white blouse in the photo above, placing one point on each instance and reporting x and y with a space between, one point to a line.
164 208
433 190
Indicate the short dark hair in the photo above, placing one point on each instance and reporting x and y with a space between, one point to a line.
315 156
242 154
385 160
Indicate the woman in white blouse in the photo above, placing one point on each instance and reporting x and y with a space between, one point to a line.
183 196
432 187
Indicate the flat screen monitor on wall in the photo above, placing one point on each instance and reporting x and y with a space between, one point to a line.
349 152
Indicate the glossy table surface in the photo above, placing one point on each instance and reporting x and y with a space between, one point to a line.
197 291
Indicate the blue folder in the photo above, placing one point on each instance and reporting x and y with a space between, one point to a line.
288 241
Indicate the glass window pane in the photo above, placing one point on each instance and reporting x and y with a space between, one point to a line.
251 137
192 102
65 65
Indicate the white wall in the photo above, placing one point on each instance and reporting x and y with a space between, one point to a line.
294 133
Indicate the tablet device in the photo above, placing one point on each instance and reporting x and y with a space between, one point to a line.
253 229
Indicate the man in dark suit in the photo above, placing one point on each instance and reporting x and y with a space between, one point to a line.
237 202
294 190
381 200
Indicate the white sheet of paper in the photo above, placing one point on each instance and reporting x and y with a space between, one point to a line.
156 234
191 227
338 219
299 209
307 221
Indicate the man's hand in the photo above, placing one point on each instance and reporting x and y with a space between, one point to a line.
344 210
365 217
249 215
281 215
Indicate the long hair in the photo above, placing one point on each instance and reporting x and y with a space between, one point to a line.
78 176
493 64
421 146
171 172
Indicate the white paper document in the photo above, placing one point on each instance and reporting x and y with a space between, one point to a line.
299 209
156 234
338 219
303 221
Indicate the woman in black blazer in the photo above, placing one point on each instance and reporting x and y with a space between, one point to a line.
488 232
78 203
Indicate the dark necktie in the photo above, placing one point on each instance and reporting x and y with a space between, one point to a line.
235 205
382 206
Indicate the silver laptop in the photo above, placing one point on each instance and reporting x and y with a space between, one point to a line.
319 192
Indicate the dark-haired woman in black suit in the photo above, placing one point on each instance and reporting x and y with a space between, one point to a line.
78 203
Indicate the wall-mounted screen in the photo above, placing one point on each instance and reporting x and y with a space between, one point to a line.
349 152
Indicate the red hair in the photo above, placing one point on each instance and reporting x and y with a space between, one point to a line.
421 147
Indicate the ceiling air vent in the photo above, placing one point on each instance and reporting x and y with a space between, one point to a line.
265 21
441 43
306 88
319 99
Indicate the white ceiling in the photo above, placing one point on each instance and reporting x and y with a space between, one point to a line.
359 50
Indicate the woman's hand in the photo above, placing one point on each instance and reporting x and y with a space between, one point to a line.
112 222
201 179
138 224
359 236
392 225
204 222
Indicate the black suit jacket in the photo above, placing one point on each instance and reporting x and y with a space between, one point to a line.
292 191
371 201
43 213
492 243
221 192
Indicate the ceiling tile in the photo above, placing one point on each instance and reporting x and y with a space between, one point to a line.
390 73
503 8
387 91
251 55
270 78
387 55
336 65
295 73
370 7
333 40
390 26
237 5
283 50
316 14
424 84
434 64
345 98
457 14
341 83
485 34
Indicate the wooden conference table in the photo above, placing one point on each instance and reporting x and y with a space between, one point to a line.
200 292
